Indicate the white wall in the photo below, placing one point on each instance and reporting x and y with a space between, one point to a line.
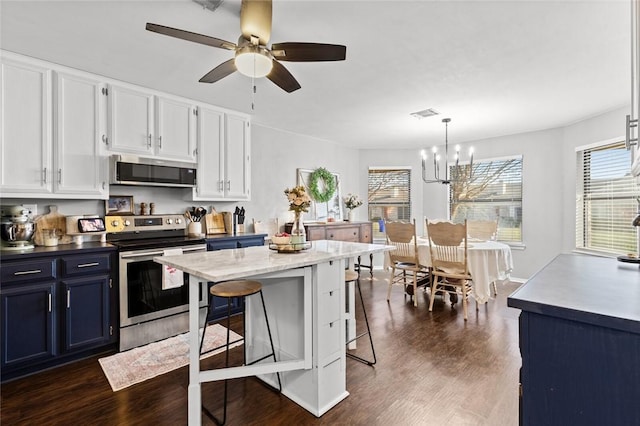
549 163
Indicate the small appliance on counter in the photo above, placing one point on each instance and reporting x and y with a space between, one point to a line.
17 228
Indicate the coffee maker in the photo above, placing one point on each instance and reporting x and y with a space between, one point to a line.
17 228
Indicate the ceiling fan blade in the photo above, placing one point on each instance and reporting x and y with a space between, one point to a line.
308 52
219 72
255 20
189 36
283 78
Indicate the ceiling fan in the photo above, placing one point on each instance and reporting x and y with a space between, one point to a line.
252 56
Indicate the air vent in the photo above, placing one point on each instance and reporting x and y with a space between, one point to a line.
212 5
424 113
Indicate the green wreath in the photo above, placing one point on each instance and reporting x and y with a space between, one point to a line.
329 182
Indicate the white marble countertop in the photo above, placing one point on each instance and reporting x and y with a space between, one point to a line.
244 262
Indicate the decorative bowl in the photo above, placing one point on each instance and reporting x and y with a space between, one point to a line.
281 240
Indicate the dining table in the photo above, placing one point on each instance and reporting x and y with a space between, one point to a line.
489 261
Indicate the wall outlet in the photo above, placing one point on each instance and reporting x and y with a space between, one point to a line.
33 208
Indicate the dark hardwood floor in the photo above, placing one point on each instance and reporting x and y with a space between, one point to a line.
433 369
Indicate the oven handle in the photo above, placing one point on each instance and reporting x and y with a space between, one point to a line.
155 253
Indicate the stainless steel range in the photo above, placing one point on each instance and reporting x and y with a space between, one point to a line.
150 310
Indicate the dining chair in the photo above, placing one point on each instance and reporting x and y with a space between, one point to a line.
486 230
449 261
269 227
404 259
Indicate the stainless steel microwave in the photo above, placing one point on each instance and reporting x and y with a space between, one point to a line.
133 170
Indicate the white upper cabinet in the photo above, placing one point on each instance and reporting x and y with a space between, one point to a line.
130 121
50 137
175 129
237 160
80 115
143 123
210 173
25 123
223 156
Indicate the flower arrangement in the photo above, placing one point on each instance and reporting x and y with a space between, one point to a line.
352 201
299 200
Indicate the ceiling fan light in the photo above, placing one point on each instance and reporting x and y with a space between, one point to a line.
253 61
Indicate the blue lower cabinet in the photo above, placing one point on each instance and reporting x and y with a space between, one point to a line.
86 313
55 309
28 315
218 307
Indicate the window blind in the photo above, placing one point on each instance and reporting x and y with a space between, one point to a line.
606 201
389 197
493 191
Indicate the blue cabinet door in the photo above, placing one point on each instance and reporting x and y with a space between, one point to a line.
86 313
27 324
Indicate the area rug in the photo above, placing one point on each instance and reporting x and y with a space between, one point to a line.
145 362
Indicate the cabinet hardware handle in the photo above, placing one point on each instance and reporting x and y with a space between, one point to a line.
45 175
104 184
59 176
149 141
110 330
87 265
49 302
68 298
110 282
155 253
627 140
331 293
220 185
105 140
105 91
160 142
228 185
34 271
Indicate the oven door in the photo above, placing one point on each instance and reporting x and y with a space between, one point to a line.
142 297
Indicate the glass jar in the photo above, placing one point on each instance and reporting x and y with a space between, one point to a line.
298 233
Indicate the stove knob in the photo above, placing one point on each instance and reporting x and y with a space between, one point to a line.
178 221
127 223
169 221
115 223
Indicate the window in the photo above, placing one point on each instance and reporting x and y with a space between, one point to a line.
606 201
389 196
492 191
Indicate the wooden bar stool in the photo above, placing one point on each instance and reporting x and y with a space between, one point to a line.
352 276
229 290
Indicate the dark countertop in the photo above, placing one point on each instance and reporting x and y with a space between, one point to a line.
61 249
589 289
233 237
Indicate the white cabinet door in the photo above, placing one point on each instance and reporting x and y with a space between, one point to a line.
237 166
175 129
79 167
130 121
210 155
25 128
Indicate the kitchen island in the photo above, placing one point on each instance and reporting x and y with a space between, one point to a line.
305 298
580 343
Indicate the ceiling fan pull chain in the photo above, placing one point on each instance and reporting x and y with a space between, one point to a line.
253 94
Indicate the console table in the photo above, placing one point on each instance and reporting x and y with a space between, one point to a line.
356 232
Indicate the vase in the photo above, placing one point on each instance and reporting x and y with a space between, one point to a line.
298 233
351 216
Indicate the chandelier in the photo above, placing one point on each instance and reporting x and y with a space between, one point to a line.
455 177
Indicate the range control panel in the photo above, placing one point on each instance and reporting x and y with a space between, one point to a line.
116 224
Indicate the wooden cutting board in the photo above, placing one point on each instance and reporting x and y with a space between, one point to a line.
214 223
51 220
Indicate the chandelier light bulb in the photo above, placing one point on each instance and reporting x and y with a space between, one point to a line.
434 149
